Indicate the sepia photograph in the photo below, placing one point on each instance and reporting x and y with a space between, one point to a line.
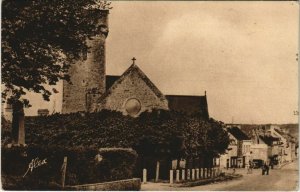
104 95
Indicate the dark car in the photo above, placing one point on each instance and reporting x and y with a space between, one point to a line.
257 163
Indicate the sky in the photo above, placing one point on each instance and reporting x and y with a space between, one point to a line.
243 54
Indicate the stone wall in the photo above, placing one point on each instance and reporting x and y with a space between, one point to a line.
121 185
87 75
132 86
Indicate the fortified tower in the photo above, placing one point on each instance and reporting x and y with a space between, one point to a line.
87 74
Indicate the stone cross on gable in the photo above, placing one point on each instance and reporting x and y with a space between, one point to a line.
133 60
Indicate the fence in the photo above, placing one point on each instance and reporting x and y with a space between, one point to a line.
193 174
180 175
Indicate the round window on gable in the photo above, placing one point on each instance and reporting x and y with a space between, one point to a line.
133 106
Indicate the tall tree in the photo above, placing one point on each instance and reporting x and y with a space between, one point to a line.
41 39
205 138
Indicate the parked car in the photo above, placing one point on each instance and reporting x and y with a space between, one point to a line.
257 163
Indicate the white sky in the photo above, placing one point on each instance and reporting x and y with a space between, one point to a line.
242 53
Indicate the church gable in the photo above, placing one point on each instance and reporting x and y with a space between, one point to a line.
132 94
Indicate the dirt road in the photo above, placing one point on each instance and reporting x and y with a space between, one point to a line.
284 179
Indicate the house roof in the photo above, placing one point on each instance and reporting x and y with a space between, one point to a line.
132 69
110 80
287 136
189 104
268 139
280 132
238 133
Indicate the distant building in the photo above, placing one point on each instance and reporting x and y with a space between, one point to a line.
269 143
274 145
238 152
229 125
6 111
259 152
288 143
43 112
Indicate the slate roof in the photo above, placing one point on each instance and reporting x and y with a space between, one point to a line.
287 136
280 132
238 133
110 80
189 104
268 139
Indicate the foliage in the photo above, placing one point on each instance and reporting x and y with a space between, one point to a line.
204 138
158 134
82 166
104 129
41 38
117 164
5 131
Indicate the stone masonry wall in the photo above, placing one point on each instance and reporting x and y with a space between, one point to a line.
132 86
87 76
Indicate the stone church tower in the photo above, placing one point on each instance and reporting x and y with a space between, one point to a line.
87 75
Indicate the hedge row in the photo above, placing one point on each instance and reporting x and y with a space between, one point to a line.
84 165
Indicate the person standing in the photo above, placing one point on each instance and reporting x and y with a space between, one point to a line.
271 164
263 169
248 168
267 169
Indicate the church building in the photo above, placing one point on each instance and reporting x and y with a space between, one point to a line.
131 93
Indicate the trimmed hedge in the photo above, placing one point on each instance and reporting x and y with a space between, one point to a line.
117 164
82 166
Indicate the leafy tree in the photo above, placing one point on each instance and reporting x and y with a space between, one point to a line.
41 39
159 135
204 138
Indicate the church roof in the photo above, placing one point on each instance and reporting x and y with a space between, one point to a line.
110 80
238 133
189 104
132 69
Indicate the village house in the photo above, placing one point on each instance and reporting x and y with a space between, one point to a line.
272 144
6 111
238 152
288 143
259 152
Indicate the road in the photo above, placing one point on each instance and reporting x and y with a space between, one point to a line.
284 179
